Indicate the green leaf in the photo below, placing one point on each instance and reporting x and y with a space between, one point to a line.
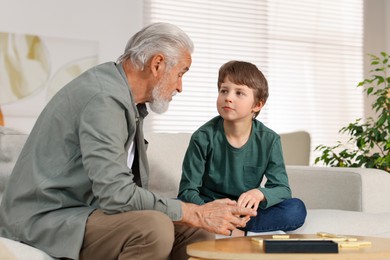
381 120
369 139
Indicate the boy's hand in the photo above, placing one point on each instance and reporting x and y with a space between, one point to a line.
250 199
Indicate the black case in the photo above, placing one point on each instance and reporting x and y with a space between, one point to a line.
300 246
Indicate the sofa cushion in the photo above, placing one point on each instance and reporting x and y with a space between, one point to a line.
11 143
320 188
13 250
165 156
344 222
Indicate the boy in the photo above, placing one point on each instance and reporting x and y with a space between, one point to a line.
229 156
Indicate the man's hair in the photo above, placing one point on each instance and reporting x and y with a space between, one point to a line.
245 73
164 38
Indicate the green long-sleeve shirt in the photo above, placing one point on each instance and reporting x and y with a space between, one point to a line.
213 169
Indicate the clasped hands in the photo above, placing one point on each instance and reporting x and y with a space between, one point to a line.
223 215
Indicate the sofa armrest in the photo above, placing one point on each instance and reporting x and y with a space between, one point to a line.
296 148
355 189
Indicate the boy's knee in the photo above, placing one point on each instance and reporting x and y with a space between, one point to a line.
296 212
298 207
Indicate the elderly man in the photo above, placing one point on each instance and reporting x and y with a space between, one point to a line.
79 187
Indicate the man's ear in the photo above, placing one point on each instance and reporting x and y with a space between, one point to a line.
157 64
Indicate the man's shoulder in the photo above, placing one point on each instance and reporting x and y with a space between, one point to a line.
108 72
106 66
93 77
104 79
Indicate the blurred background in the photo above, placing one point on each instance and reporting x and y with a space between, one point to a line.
313 53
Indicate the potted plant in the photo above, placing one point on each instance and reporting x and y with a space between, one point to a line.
369 143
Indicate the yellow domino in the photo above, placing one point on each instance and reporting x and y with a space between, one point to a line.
333 237
280 236
364 243
257 240
329 235
324 234
356 244
348 245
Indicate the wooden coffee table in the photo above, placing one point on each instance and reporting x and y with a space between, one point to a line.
245 248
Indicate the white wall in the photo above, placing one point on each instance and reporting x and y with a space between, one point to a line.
387 24
112 22
376 35
109 23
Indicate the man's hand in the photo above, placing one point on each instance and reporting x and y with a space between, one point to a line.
250 199
219 216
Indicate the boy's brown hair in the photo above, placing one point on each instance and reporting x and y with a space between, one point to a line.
245 73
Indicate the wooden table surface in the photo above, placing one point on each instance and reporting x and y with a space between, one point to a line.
245 248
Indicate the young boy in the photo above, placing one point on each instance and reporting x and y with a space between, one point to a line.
229 156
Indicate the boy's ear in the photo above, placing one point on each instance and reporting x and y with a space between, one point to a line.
257 107
157 64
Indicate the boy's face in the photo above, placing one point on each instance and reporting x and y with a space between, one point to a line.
236 102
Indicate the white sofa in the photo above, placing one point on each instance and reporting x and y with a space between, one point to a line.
351 201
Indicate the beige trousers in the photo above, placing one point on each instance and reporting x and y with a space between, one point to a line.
135 235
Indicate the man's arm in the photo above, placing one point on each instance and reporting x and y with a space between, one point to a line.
218 216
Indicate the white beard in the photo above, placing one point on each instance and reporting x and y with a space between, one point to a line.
159 104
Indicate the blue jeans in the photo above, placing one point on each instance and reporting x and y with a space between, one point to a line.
287 215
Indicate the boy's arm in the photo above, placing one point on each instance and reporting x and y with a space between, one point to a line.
192 174
276 188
